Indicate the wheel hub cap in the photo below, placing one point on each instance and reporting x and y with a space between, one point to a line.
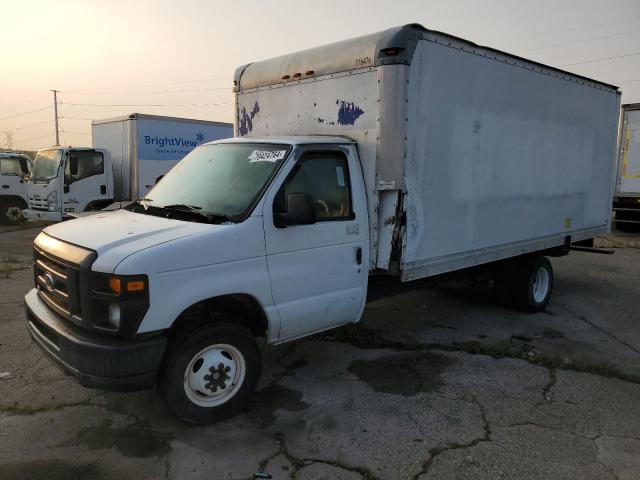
541 285
214 375
14 213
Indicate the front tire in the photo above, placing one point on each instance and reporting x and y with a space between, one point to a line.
11 212
209 375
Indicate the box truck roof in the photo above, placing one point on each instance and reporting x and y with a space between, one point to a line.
390 47
141 116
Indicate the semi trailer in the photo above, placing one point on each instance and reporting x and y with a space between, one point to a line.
384 159
626 199
129 154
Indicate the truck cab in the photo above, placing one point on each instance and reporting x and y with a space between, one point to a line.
14 170
68 179
271 233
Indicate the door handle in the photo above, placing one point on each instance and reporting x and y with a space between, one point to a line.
5 186
359 255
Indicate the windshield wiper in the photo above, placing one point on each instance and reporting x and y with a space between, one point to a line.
183 206
144 201
195 209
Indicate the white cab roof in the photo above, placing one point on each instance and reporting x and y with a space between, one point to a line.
289 140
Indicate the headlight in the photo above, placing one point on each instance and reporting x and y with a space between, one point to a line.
118 302
113 318
52 201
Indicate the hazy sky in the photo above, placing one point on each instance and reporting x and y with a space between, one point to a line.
182 55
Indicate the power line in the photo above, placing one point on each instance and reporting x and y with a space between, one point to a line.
75 118
32 125
34 138
97 92
32 98
75 133
26 113
572 29
601 59
204 80
145 105
579 41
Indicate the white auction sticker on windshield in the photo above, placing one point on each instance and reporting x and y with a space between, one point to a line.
266 155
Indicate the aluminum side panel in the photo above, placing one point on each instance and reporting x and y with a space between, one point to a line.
500 155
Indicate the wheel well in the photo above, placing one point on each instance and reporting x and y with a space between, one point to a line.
239 309
17 198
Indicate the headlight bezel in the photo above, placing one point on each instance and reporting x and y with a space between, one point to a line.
132 305
52 201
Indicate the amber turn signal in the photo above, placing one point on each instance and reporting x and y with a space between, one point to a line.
114 285
136 286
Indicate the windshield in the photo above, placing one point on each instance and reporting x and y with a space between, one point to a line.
45 166
221 180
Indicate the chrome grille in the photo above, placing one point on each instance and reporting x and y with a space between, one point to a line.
53 281
36 202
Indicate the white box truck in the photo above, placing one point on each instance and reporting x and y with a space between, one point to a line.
14 169
129 154
398 155
626 200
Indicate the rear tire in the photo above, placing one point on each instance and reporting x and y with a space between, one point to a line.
532 284
11 211
209 374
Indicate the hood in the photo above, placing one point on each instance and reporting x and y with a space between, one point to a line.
123 231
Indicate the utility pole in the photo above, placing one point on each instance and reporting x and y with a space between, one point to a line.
55 111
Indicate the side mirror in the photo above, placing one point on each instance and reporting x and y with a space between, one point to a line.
300 211
73 166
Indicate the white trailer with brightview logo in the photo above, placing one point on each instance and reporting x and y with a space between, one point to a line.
129 155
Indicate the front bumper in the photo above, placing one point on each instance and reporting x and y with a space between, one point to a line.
96 361
42 215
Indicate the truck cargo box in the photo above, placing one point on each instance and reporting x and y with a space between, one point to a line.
469 154
143 147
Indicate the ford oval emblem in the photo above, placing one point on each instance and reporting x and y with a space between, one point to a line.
49 282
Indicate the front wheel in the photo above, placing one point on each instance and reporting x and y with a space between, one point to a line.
11 212
210 375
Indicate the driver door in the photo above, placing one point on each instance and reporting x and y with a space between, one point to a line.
85 180
319 271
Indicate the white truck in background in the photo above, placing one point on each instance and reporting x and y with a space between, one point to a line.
128 156
626 199
370 162
14 169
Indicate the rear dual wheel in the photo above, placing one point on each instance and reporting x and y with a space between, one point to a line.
525 283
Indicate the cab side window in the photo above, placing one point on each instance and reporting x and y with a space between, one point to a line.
10 166
25 166
325 176
89 163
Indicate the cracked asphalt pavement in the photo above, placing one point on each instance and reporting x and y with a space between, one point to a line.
436 383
